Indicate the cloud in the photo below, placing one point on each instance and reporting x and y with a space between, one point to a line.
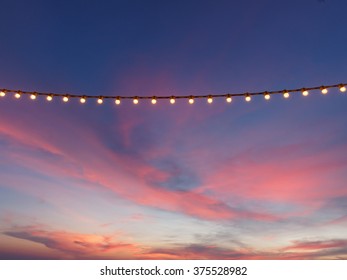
290 174
130 177
316 245
76 245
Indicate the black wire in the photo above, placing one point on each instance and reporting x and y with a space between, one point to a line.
69 95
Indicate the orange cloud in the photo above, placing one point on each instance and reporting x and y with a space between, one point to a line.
76 245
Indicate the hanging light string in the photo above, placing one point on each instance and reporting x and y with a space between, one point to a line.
65 97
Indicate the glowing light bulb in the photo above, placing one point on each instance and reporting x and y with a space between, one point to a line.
17 95
49 97
117 101
172 100
2 93
191 100
267 96
209 99
229 99
100 100
65 99
324 90
286 94
33 96
136 100
342 88
248 98
83 100
154 100
305 92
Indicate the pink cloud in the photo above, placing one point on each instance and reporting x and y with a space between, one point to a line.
124 174
287 174
316 245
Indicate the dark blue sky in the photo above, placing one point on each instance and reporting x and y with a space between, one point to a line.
257 180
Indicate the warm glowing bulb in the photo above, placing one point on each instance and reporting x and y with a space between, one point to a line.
2 93
33 96
117 101
191 100
248 98
229 99
49 97
17 95
100 101
136 101
83 100
304 92
172 100
286 94
267 96
154 100
342 88
324 90
209 99
65 99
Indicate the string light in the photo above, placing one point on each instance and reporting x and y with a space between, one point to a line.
117 101
324 90
267 96
305 92
191 99
83 99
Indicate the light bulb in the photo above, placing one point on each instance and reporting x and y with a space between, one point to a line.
33 96
191 100
2 93
324 90
49 97
248 98
172 100
83 100
209 99
65 99
117 101
154 100
286 94
305 92
100 100
267 96
136 100
17 95
342 88
229 99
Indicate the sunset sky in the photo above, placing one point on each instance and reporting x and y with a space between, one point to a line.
246 180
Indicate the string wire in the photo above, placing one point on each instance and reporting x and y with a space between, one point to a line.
342 87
